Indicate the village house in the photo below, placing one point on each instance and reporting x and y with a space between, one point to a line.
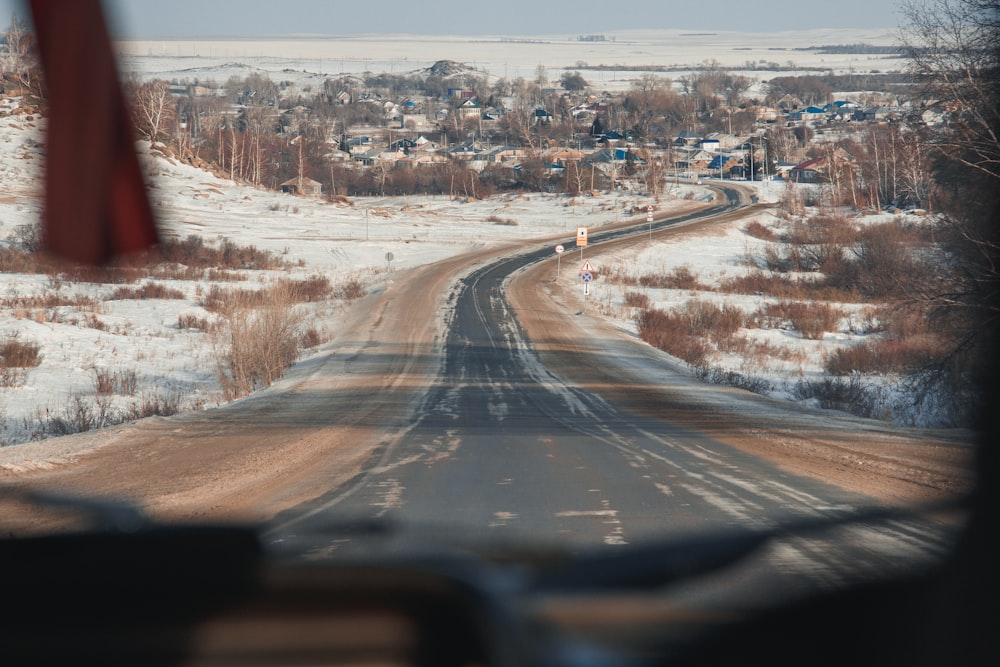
302 186
811 171
687 138
470 109
503 154
809 114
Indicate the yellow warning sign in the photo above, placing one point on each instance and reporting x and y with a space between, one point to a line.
581 236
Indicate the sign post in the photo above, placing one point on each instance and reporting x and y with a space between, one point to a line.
581 239
649 219
559 252
586 275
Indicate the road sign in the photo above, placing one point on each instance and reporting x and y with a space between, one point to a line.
587 266
559 248
586 276
581 236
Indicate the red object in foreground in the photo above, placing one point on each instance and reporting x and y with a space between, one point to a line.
95 198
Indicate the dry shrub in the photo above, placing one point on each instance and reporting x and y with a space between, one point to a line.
194 252
756 353
849 395
14 260
705 318
310 338
681 277
811 319
784 287
313 288
885 356
787 258
751 383
192 321
760 231
902 324
224 276
637 300
823 229
760 283
884 262
670 333
497 220
260 339
48 300
148 290
99 275
619 276
350 290
15 353
123 382
683 332
218 300
154 405
104 384
176 272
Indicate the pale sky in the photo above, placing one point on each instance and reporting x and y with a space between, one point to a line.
236 18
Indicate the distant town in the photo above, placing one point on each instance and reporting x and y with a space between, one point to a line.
451 129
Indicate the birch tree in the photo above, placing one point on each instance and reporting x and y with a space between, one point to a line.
153 108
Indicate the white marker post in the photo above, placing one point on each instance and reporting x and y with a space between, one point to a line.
559 252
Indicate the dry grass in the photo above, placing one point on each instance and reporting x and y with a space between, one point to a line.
350 289
812 319
681 277
672 334
192 251
48 300
259 338
758 353
123 382
309 290
636 300
760 231
81 414
684 332
191 321
849 394
884 357
16 353
148 290
786 287
166 259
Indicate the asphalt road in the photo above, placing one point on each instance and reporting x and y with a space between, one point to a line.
504 451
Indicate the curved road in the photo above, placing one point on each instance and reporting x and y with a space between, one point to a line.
505 450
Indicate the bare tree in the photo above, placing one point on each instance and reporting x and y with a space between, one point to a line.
653 173
21 58
951 47
153 108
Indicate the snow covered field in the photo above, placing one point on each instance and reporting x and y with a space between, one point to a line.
343 241
611 64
